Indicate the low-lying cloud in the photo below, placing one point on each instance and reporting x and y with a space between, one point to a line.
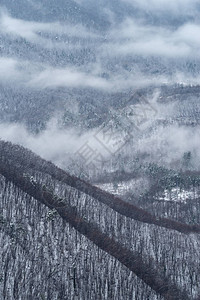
165 145
52 144
36 32
176 7
132 42
131 53
42 76
132 38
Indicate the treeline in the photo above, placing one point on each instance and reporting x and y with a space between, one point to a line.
150 273
26 160
162 178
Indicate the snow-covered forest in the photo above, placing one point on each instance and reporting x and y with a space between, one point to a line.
60 242
99 150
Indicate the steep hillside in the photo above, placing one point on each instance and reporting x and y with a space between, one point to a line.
36 203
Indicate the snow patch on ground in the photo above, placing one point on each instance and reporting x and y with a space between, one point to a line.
178 195
121 188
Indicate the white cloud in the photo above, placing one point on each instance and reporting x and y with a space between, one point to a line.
51 144
166 144
34 31
174 6
43 76
132 38
170 143
54 144
67 77
8 69
17 71
40 76
188 34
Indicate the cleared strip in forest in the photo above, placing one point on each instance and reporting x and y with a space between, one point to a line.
20 156
149 273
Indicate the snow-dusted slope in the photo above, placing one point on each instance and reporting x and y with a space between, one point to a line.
43 255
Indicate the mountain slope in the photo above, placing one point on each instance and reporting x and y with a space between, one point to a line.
14 154
141 247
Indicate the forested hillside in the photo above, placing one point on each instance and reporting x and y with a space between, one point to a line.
63 238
